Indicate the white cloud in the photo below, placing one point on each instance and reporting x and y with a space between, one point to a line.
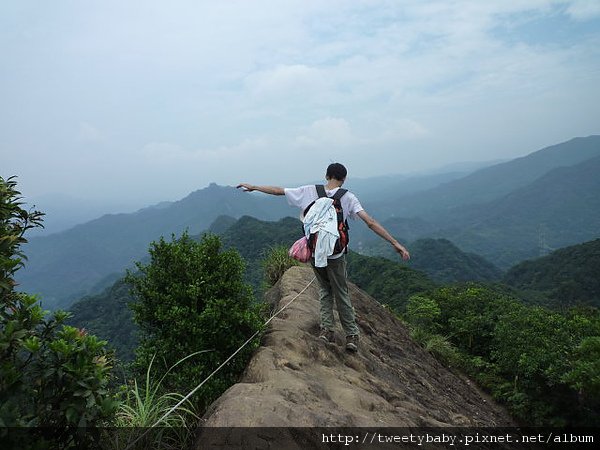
584 9
197 83
330 131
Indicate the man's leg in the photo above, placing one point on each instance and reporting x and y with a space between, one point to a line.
325 297
336 271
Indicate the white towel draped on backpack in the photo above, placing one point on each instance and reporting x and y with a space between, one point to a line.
322 218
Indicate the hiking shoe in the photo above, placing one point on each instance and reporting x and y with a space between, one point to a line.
327 335
352 343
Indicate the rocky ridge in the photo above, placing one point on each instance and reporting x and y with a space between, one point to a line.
296 380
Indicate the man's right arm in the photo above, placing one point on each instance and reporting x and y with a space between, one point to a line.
273 190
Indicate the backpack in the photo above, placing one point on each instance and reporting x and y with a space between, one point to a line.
341 244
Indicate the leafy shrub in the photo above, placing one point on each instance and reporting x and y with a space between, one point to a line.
543 365
422 311
14 222
51 374
191 296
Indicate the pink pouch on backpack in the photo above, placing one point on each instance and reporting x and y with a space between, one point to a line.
300 250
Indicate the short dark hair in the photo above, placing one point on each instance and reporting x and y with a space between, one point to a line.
336 171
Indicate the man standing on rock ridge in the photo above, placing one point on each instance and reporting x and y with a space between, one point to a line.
333 278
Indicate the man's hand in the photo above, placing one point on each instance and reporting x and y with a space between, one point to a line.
402 250
246 187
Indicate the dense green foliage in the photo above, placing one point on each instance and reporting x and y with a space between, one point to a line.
389 282
567 277
51 375
542 364
191 297
14 223
441 260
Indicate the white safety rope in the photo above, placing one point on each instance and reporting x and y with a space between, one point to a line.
193 391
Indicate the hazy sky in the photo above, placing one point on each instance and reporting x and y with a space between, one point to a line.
149 100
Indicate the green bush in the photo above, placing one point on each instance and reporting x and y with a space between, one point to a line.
423 312
51 374
190 297
542 364
14 222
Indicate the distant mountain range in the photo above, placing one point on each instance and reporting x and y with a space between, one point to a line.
505 213
491 182
558 209
67 265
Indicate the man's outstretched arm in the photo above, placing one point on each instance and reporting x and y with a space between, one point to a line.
377 228
273 190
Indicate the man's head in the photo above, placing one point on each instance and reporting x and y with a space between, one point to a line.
336 171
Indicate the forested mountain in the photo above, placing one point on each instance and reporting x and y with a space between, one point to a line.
253 238
492 182
392 282
441 260
566 277
108 316
66 265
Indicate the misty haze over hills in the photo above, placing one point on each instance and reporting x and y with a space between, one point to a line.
64 211
496 212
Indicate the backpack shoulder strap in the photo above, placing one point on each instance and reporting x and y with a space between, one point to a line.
321 190
339 194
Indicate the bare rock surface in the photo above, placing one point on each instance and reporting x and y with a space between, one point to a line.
296 380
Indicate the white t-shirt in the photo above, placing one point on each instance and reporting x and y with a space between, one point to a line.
303 196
